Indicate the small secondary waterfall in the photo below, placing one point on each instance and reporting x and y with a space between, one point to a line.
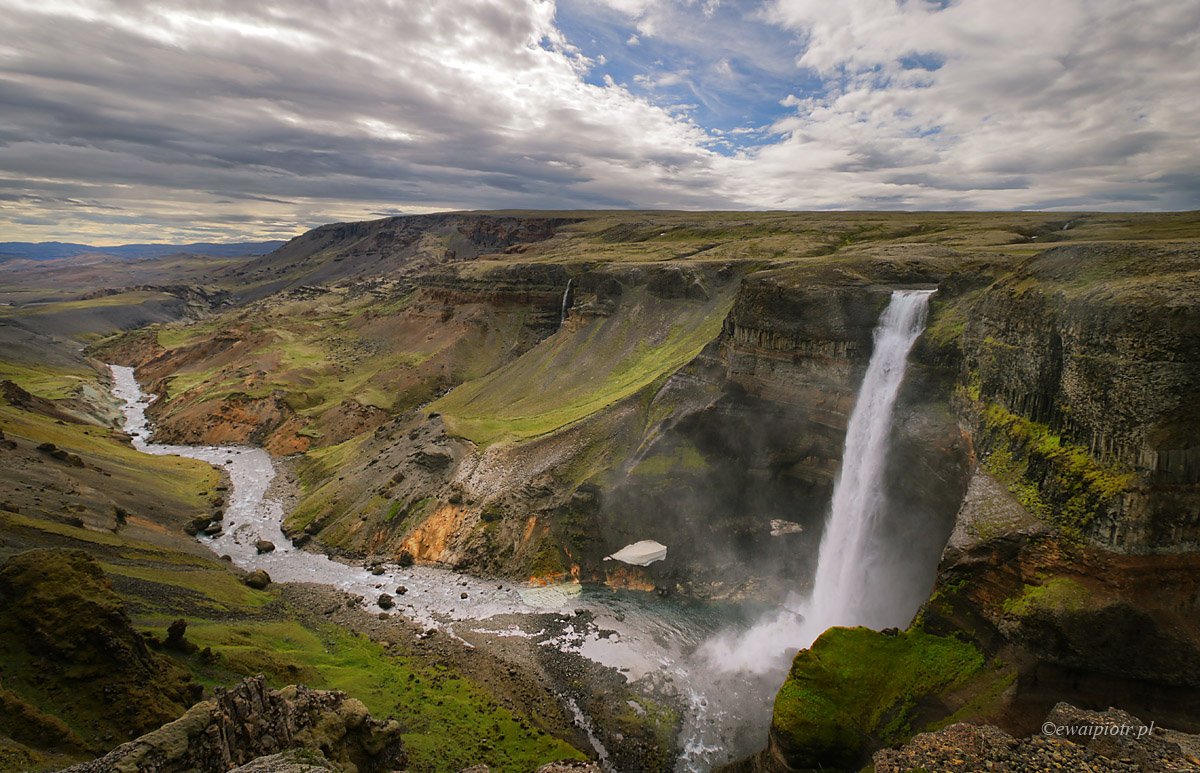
851 565
854 579
562 316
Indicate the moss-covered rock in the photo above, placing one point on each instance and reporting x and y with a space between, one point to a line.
856 689
68 648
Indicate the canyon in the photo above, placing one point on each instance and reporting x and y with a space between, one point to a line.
514 397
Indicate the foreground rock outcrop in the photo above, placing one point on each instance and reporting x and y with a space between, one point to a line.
1070 739
856 689
251 721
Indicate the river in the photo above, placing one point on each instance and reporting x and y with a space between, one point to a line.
726 712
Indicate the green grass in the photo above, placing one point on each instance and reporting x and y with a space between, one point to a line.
855 683
177 334
449 722
575 374
45 381
175 479
683 459
222 589
12 521
1054 593
56 307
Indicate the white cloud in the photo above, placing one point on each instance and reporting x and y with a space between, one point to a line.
1071 103
189 118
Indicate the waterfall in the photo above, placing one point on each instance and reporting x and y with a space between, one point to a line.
854 583
852 579
562 317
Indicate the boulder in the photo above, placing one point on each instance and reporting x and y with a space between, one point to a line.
176 637
570 766
264 546
258 579
292 761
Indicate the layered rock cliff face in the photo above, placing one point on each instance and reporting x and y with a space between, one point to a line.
1096 349
726 423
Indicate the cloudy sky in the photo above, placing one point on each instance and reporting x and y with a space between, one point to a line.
182 120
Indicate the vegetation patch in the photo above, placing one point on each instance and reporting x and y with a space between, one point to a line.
1060 594
577 373
69 649
45 381
683 459
214 587
856 688
450 723
1059 483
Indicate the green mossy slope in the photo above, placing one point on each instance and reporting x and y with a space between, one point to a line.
68 648
580 371
856 689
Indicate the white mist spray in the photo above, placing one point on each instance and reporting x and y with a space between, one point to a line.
854 580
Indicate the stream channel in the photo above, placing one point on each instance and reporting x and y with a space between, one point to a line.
726 711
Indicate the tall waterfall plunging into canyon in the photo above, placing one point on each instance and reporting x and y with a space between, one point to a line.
852 563
854 582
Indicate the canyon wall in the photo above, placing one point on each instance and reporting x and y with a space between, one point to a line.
527 417
1096 350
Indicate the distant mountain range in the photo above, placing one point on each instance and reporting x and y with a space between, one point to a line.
53 250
